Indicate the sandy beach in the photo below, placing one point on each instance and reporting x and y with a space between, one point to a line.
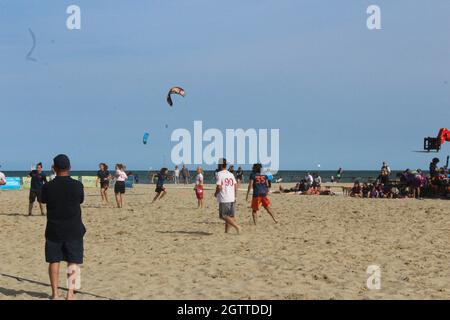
170 250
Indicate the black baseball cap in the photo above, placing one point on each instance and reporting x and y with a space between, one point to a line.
61 162
222 161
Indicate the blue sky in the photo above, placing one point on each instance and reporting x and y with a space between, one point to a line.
340 94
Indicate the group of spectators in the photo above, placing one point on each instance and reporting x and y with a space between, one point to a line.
311 184
408 184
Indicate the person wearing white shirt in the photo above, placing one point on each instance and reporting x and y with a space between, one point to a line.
119 186
386 167
309 180
198 188
226 187
176 175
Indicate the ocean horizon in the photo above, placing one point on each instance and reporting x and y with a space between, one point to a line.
287 176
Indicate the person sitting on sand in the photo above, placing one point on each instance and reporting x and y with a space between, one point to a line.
373 192
394 193
290 190
303 186
381 190
119 186
161 177
198 188
226 189
365 190
420 181
315 186
317 181
260 185
65 229
327 192
356 190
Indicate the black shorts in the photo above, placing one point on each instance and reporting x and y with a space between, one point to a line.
35 194
160 189
104 184
69 251
119 187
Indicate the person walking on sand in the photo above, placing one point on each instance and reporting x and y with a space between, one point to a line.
240 176
231 170
176 175
260 185
185 174
103 176
38 179
198 188
160 190
65 229
119 186
226 188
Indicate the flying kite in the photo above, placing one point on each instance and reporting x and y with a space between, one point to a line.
145 138
174 90
33 37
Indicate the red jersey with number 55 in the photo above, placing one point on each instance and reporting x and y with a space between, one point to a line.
226 180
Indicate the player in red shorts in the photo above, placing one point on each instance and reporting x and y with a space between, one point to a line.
260 185
198 188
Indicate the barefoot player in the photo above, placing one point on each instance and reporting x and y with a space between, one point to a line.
260 185
161 177
226 188
198 188
38 179
65 230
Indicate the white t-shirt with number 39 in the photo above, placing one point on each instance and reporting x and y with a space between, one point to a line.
226 180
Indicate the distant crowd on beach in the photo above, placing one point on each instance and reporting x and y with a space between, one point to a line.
407 184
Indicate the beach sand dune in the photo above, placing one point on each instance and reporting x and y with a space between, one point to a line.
170 250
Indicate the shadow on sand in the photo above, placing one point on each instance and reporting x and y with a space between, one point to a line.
14 293
20 215
192 233
11 292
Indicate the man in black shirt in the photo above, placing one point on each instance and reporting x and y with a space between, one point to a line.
38 179
65 230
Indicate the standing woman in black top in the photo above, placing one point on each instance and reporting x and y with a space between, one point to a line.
103 176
